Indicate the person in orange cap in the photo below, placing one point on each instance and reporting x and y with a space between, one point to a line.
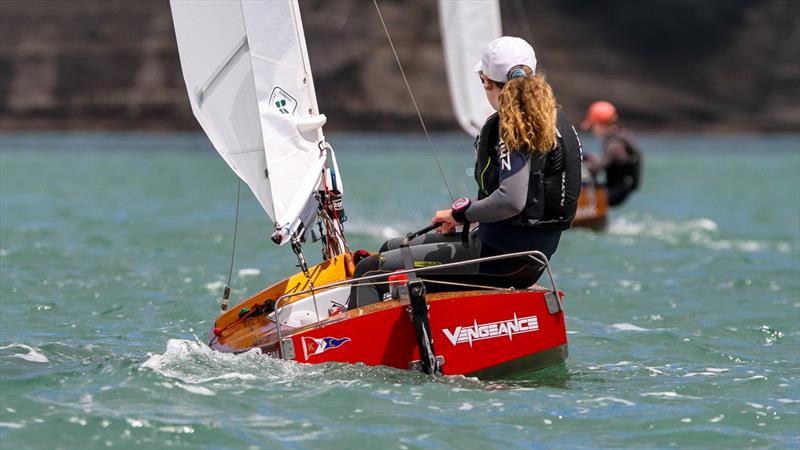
621 158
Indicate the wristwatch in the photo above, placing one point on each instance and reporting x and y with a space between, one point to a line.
460 207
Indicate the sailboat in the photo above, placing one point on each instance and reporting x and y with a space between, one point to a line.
250 85
466 27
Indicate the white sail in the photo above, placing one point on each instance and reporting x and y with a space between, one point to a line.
467 26
246 69
290 122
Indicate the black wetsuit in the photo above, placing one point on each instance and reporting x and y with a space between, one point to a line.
622 161
525 200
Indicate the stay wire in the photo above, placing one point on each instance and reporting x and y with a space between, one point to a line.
235 229
414 101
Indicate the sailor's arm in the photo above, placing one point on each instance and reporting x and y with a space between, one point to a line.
613 151
508 199
505 202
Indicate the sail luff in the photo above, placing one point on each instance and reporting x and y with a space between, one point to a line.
314 110
301 38
287 108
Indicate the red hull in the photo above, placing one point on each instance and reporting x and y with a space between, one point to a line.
476 333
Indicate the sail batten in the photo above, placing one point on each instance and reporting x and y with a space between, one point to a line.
240 51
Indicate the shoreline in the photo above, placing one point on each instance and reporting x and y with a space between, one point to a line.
158 126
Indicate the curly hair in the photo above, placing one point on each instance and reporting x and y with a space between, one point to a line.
528 113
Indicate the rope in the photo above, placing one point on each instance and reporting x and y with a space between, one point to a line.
227 293
478 286
414 101
245 316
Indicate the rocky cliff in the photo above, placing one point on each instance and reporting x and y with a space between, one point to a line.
709 65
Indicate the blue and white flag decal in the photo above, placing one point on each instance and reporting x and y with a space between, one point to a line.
315 346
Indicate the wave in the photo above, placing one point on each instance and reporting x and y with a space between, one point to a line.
669 395
376 230
34 354
628 327
702 232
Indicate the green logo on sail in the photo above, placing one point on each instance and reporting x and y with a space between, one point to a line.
280 104
283 102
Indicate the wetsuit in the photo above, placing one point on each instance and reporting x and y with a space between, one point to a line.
525 200
622 162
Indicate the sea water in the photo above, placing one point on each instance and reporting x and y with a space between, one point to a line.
683 317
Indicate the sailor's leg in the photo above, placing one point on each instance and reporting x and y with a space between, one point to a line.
428 238
435 251
430 254
366 293
519 272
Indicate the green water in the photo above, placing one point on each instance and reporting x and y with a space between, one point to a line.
683 318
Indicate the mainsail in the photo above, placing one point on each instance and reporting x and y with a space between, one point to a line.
467 26
246 68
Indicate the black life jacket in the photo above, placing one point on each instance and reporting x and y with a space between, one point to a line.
626 173
555 177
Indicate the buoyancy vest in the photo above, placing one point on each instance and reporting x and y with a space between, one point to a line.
627 173
487 165
555 176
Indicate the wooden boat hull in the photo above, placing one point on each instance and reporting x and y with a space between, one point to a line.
592 210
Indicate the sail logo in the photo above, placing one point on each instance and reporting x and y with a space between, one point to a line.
315 346
480 332
282 101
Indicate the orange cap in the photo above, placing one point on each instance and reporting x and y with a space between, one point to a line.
601 113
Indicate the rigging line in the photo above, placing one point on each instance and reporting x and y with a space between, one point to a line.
227 293
413 100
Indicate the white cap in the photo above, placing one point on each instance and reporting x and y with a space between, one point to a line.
502 54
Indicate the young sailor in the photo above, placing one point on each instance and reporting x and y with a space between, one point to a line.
621 158
527 167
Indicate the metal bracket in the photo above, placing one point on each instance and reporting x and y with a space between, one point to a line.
301 259
287 349
553 302
324 146
417 364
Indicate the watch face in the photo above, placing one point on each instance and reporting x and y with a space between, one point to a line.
460 203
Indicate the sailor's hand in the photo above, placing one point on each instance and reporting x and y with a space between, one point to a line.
445 218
